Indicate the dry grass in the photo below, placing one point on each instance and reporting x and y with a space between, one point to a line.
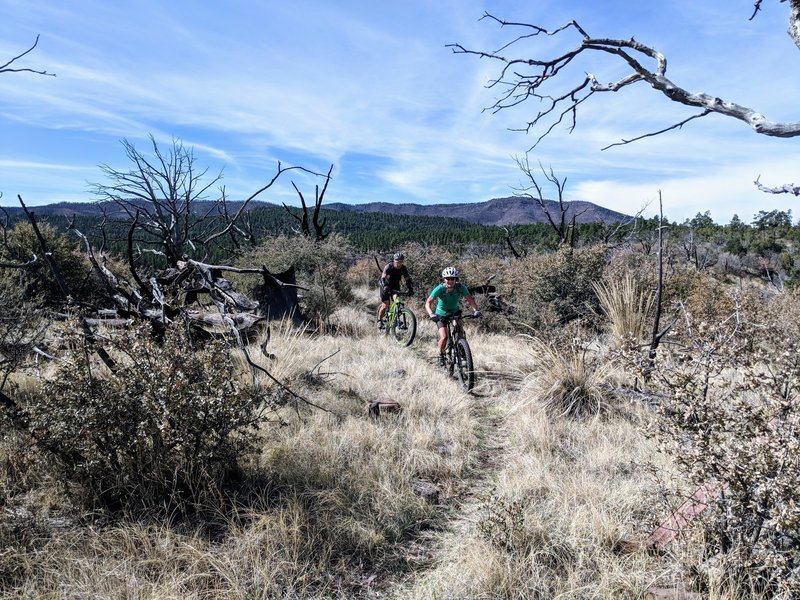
572 382
457 496
627 306
560 516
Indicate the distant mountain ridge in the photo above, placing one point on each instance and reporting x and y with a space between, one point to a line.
511 210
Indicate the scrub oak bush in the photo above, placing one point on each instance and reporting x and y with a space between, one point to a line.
37 281
550 290
425 264
319 268
162 431
730 416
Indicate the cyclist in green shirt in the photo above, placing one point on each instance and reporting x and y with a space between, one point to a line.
448 295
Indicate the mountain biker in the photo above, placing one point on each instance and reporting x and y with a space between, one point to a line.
447 296
389 283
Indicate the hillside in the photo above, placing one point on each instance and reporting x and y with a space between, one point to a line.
511 210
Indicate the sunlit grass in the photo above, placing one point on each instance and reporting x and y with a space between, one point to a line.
627 306
496 497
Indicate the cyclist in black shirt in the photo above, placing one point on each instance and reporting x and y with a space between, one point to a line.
389 283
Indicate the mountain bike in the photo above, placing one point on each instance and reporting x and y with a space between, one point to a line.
400 320
458 352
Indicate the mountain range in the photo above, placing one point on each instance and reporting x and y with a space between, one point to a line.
511 210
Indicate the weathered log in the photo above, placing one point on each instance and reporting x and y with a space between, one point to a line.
242 321
110 322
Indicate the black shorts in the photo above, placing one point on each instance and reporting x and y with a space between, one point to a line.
386 294
440 320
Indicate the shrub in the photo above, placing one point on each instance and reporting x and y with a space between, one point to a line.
550 290
162 431
38 281
730 410
363 273
319 267
425 264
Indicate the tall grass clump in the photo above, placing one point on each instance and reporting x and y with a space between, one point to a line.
570 383
627 306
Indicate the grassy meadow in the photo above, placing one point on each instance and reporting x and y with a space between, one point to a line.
544 482
457 496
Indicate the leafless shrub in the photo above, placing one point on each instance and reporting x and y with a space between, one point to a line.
729 385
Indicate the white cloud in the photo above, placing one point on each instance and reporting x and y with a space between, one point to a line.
371 88
723 191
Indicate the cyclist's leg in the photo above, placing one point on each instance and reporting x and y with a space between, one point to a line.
441 343
384 305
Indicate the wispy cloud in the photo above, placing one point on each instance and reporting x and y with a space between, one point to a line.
372 89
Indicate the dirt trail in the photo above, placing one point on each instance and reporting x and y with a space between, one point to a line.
464 507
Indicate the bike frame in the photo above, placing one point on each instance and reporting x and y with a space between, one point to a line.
455 332
394 309
400 320
459 363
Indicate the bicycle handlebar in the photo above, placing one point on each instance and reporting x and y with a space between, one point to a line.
451 317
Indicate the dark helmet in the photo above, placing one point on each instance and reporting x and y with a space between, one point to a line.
398 256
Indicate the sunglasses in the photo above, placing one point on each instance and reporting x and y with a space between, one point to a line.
451 278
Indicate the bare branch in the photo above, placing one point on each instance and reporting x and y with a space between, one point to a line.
24 265
788 188
660 131
545 80
7 68
562 229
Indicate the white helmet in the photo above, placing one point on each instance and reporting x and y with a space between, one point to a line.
450 272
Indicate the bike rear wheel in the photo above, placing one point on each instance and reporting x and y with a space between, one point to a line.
404 328
464 367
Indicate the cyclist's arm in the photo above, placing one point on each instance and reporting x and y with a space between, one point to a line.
471 301
429 305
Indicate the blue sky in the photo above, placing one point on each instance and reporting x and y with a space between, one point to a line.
370 87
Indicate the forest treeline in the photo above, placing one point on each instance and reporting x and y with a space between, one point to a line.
765 244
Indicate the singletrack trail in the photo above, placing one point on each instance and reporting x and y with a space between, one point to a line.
461 509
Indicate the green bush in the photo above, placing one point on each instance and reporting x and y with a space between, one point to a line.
320 267
550 290
38 281
424 263
162 431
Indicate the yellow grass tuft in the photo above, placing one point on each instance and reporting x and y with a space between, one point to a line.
627 306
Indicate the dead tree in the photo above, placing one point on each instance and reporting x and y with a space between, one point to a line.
565 230
540 80
170 200
656 334
302 219
510 243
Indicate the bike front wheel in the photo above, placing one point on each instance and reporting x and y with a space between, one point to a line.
404 328
464 367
